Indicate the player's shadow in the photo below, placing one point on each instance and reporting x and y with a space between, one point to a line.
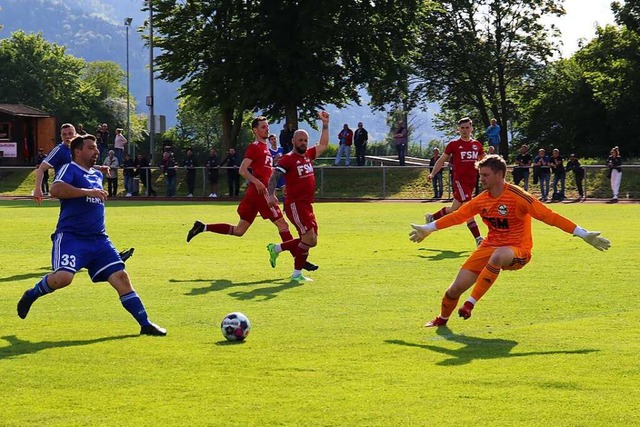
479 348
25 276
439 255
18 347
265 293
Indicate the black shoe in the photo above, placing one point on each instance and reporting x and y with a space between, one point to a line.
126 254
198 227
153 330
24 305
309 267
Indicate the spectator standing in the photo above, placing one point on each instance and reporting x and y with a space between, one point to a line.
169 167
285 137
232 161
213 168
361 138
102 138
80 129
523 163
400 139
190 164
143 170
128 173
119 143
45 175
543 172
111 161
557 166
493 135
345 139
573 164
614 163
436 179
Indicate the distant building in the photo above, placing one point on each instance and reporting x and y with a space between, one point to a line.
23 130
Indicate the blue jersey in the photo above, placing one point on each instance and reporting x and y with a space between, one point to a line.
274 153
83 215
59 156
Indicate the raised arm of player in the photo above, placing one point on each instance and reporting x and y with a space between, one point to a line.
439 164
324 136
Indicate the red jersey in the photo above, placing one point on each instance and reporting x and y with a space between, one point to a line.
261 161
463 155
300 180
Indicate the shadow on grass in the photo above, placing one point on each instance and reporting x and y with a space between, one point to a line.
479 348
18 347
17 277
265 293
439 255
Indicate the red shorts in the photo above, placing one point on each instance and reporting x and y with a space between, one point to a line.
480 258
301 216
253 203
463 190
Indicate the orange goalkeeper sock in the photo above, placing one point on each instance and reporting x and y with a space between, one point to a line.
448 305
487 277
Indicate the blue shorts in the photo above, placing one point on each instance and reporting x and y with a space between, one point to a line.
97 254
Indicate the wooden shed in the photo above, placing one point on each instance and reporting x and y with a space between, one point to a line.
23 130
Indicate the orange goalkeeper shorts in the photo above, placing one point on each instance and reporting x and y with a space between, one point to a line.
479 259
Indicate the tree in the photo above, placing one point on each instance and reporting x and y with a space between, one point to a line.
474 55
285 58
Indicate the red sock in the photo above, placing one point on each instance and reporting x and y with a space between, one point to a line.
473 227
285 236
442 212
486 278
301 256
220 228
290 245
448 305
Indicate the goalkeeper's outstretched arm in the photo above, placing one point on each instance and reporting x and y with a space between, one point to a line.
593 238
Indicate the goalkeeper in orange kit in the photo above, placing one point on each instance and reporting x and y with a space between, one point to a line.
507 211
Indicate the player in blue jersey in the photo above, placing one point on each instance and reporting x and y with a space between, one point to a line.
57 158
80 240
276 152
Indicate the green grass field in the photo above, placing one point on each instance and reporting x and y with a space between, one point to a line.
554 344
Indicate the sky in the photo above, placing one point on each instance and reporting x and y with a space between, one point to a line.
580 22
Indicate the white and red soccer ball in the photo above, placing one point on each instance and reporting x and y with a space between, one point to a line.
235 326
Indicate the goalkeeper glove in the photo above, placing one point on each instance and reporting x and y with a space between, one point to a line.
593 238
418 233
600 243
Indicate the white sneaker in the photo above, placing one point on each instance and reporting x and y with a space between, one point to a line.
189 195
128 195
479 241
300 278
210 194
214 195
429 218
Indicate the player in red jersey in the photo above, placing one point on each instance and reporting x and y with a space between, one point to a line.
255 200
297 169
507 211
463 153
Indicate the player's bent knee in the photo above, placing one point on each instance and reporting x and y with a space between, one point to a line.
120 282
59 279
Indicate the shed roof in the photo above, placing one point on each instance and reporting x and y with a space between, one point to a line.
22 110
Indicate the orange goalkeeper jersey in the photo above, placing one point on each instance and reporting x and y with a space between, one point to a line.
507 216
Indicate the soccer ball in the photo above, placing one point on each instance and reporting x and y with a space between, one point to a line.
235 326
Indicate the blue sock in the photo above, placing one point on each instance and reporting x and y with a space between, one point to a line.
132 303
41 288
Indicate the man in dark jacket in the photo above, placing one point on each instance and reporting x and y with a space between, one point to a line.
361 137
232 161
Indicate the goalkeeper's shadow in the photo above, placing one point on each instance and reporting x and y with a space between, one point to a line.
439 254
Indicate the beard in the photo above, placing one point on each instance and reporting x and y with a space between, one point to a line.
301 149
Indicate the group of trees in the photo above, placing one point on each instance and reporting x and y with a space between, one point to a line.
42 75
288 58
